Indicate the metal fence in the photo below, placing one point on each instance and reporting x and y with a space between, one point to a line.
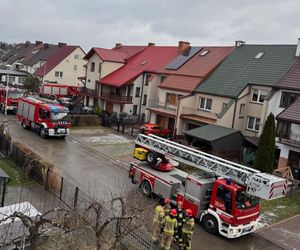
71 195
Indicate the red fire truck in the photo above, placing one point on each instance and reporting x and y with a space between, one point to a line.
46 117
54 91
223 195
12 98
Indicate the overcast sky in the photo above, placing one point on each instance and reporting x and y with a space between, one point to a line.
102 23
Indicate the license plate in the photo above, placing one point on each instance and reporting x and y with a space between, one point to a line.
61 130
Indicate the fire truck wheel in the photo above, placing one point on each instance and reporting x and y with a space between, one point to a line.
75 98
2 109
152 157
24 125
210 224
43 132
145 188
52 97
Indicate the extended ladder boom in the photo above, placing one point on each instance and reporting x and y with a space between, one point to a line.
262 185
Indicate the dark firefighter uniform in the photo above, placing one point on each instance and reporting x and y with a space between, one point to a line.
180 217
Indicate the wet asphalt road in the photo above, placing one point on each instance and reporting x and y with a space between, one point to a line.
99 176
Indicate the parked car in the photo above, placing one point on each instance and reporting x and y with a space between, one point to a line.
155 129
65 101
88 110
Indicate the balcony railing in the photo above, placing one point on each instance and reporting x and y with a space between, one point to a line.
155 103
116 98
89 92
289 138
198 112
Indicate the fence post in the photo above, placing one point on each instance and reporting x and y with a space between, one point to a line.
76 197
123 128
118 127
131 131
61 187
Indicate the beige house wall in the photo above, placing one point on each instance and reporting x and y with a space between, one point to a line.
67 66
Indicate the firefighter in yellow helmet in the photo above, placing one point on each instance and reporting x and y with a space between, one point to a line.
188 229
169 224
160 212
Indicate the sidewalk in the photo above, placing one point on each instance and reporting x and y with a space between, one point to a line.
285 234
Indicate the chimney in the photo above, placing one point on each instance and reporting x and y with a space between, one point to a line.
27 43
298 48
61 44
239 43
38 42
118 45
151 44
46 45
182 46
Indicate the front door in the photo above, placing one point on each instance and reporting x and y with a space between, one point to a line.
109 107
171 124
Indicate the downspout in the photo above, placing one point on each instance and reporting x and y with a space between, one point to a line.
234 111
141 97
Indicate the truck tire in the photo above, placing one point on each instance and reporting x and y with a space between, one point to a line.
75 98
210 224
152 157
146 188
52 97
42 132
23 124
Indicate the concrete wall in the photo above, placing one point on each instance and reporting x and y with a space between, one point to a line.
67 66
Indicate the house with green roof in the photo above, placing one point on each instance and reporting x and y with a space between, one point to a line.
235 94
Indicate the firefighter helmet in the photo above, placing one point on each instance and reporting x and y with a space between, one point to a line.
189 212
179 203
173 212
166 201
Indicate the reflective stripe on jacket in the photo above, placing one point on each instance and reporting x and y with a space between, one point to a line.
159 214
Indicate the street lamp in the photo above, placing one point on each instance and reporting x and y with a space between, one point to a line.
8 67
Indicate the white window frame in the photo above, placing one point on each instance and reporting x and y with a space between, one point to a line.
205 103
242 109
259 94
254 123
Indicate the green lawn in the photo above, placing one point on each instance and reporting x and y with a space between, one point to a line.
15 173
282 208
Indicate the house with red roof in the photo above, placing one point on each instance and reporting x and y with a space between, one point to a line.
284 103
127 88
100 63
178 79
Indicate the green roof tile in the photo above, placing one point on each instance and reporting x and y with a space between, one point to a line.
240 68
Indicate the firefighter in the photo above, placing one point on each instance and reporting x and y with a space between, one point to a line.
179 218
167 206
188 229
169 224
159 215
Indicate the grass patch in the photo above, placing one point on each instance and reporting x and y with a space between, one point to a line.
282 208
17 177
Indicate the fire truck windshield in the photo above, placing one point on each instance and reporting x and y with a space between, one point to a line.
60 117
244 200
15 95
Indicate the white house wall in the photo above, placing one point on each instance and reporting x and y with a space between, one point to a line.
70 75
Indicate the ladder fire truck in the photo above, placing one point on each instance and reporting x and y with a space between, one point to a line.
224 195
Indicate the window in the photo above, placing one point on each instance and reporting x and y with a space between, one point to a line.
92 67
259 55
147 80
225 196
121 108
205 103
11 79
162 78
258 95
287 99
137 91
242 108
204 53
171 99
134 109
77 56
58 74
253 123
223 106
75 67
22 80
145 100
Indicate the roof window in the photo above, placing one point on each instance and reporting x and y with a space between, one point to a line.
204 53
259 55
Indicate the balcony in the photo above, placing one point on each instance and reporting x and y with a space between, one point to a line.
162 107
289 138
198 115
116 98
89 92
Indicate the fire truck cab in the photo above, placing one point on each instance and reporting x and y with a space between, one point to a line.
12 98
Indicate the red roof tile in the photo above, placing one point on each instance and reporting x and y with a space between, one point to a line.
291 80
291 113
151 60
54 59
195 69
107 55
182 83
130 50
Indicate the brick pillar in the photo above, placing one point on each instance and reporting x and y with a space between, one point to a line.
282 162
